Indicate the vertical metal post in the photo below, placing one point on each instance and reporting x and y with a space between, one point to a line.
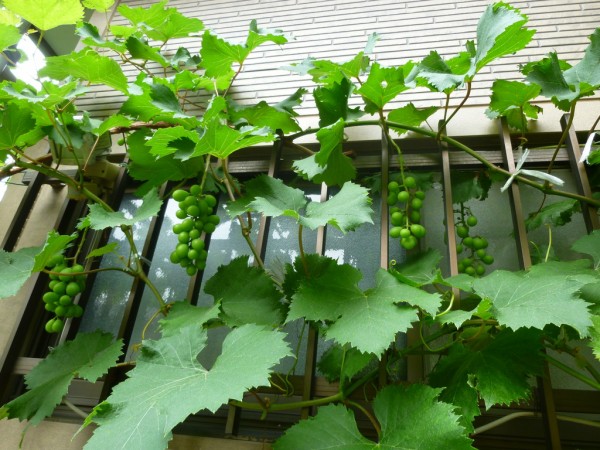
544 382
590 214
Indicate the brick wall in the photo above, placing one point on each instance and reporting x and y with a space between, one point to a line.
337 30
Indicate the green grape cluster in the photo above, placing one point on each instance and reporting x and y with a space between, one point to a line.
474 246
405 201
66 282
196 214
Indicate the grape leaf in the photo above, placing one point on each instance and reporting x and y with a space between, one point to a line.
590 245
383 85
329 165
105 249
419 269
18 128
55 243
338 361
258 36
262 115
548 74
98 5
87 356
470 185
15 269
586 73
410 115
141 50
269 196
87 65
161 23
525 300
500 32
324 293
439 75
9 35
332 103
91 36
101 218
510 99
168 384
554 214
246 294
182 314
333 428
595 336
346 210
499 372
47 14
369 322
144 167
221 141
405 415
176 141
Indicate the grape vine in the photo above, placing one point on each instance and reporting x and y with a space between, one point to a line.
181 125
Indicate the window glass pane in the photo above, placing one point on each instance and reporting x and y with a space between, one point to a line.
562 236
282 248
226 243
106 305
170 279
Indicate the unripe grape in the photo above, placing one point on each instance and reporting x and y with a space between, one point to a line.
395 232
73 289
408 242
488 259
191 270
416 203
420 195
214 219
60 288
470 270
462 231
417 230
468 241
415 216
210 200
479 242
472 221
209 227
397 219
405 232
393 186
480 253
479 270
197 244
403 196
65 274
180 214
57 326
180 195
50 297
65 300
195 190
392 198
410 182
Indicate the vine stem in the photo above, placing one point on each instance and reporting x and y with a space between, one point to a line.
462 103
301 249
562 137
292 405
367 413
540 187
571 371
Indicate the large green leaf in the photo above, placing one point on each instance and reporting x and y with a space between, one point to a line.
100 218
410 115
555 214
143 166
176 141
406 415
15 269
498 371
332 103
91 36
469 185
589 245
511 99
440 75
595 336
419 269
168 384
221 140
246 294
535 300
258 36
262 115
329 165
182 314
87 65
383 85
548 74
218 55
55 243
346 210
269 196
88 356
161 23
333 428
98 5
47 14
586 73
341 363
142 50
500 32
9 35
370 322
18 128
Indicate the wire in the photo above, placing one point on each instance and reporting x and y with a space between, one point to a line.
509 417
